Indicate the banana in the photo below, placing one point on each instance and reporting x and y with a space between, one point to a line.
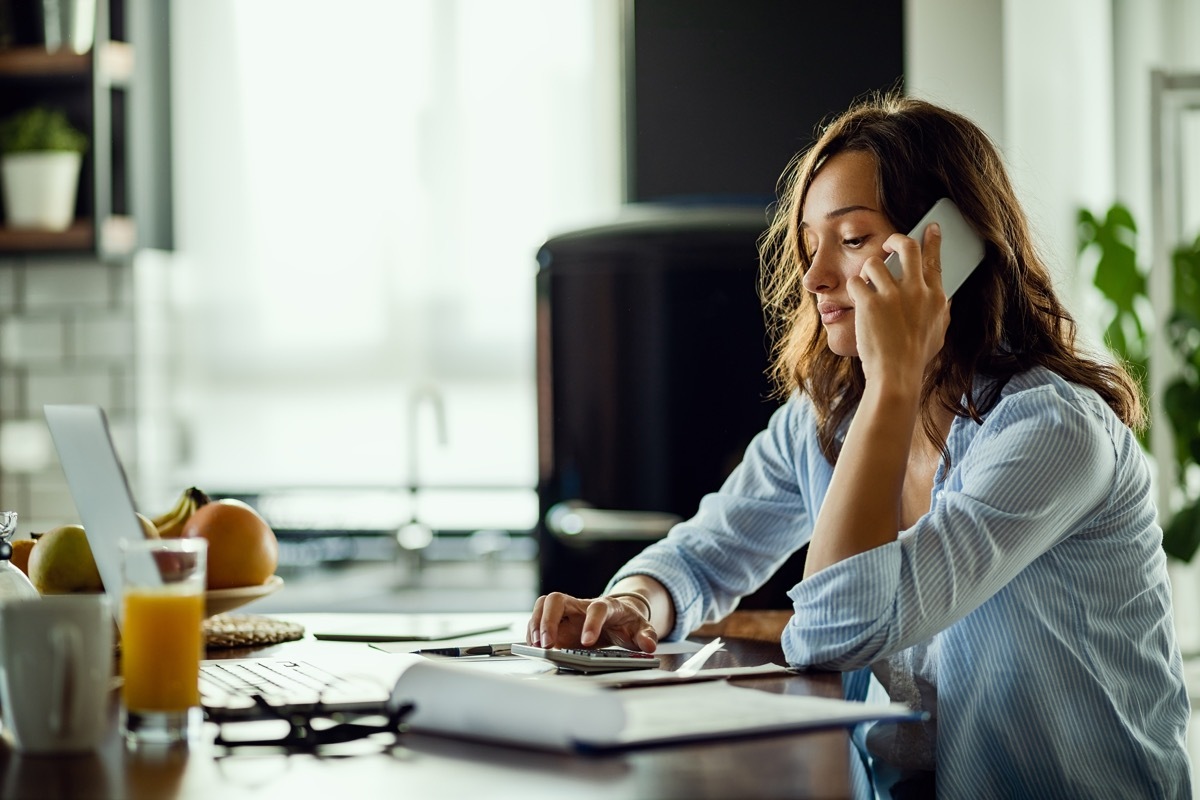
198 497
170 524
172 527
176 510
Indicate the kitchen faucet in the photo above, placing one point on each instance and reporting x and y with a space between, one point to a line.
414 536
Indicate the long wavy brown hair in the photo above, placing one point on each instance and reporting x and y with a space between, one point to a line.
1005 318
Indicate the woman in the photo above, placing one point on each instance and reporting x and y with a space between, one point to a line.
982 538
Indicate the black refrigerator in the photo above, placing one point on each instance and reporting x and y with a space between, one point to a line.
651 381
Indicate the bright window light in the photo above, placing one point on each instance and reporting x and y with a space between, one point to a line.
360 192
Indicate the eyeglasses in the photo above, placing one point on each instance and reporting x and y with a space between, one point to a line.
305 737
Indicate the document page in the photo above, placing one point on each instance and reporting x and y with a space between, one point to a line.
643 677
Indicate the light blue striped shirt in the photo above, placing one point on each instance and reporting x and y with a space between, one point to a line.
1028 612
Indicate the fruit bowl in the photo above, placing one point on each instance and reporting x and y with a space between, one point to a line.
218 601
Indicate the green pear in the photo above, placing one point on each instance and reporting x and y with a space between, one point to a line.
62 562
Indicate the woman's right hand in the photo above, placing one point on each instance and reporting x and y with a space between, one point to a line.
560 620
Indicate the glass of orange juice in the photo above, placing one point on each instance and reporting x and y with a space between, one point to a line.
162 614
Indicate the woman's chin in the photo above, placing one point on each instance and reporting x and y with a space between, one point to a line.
845 349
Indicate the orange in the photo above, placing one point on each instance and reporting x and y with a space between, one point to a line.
242 548
20 554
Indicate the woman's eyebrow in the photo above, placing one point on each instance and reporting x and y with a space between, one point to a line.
840 212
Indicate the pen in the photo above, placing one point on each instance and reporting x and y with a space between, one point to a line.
472 650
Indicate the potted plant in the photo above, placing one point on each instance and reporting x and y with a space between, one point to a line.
1123 283
40 158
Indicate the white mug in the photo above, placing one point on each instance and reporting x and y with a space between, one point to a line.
56 660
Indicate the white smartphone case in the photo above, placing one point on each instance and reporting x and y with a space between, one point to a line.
961 251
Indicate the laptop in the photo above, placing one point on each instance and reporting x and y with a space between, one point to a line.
360 683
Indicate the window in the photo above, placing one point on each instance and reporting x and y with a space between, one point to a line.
360 192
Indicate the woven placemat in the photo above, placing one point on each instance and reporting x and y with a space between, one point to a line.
241 630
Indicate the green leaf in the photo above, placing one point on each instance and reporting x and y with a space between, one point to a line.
38 129
1119 216
1186 261
1181 402
1114 337
1087 227
1118 277
1181 537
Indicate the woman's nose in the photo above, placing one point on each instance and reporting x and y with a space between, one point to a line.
818 278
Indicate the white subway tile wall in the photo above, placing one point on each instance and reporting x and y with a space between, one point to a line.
102 338
50 502
13 494
66 336
32 340
68 285
69 383
11 390
7 284
25 447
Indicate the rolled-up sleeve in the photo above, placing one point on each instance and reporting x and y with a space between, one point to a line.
826 624
741 534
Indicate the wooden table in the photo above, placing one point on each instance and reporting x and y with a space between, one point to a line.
425 766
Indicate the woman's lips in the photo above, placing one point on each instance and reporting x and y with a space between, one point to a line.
832 312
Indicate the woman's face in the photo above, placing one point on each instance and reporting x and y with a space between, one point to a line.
841 226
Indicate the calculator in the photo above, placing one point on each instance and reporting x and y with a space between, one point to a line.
588 660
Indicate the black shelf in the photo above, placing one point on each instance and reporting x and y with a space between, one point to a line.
91 88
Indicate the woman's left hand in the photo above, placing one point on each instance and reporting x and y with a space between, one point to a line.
900 324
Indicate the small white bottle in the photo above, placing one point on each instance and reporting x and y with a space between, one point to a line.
13 583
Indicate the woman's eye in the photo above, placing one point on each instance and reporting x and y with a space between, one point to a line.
854 241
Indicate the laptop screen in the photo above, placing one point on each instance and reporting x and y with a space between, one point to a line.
98 487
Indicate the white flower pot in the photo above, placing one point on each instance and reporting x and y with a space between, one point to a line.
69 24
39 189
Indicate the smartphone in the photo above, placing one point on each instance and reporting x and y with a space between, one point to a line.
962 249
588 660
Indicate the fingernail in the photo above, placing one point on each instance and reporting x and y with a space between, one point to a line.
535 639
587 637
936 228
545 640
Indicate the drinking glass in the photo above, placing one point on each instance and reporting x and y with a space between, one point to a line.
161 639
14 584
